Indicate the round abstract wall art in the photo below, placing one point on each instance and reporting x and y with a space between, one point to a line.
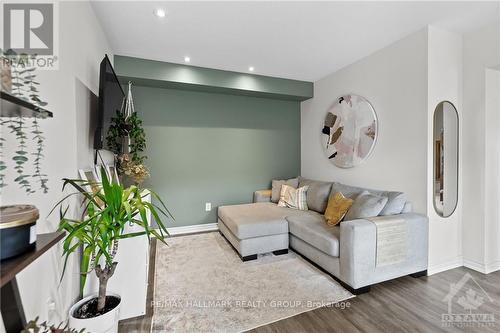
350 131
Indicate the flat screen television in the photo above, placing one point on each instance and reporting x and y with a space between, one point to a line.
110 101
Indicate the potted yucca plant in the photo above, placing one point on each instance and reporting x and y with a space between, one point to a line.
107 210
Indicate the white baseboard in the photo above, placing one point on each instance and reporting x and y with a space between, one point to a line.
475 266
441 267
190 229
492 267
458 262
482 268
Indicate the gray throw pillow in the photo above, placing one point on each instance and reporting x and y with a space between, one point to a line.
407 208
348 191
366 205
276 187
317 194
395 203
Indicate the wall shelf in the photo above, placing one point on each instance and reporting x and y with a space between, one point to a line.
12 106
10 300
10 267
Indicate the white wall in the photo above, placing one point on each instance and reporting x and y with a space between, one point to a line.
404 82
394 80
444 83
82 46
481 50
492 170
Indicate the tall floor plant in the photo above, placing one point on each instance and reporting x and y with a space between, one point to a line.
107 210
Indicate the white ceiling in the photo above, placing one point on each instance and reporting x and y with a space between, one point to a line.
298 40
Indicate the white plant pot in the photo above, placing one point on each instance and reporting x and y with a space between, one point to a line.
106 323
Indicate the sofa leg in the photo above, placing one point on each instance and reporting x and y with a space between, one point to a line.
358 291
280 252
419 274
248 258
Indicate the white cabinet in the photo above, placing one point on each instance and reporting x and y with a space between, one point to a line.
130 280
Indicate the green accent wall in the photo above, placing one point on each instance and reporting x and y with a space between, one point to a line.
218 148
161 74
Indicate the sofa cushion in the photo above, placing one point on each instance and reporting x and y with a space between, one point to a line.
317 194
312 229
254 220
396 200
276 187
395 203
366 205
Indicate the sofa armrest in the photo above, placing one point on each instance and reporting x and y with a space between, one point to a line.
262 196
358 243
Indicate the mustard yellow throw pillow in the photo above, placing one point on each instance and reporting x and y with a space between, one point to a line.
338 205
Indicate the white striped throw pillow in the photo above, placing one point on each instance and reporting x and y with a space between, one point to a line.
294 198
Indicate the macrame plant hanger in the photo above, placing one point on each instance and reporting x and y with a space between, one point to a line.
127 111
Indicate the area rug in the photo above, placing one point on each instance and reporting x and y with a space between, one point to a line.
201 285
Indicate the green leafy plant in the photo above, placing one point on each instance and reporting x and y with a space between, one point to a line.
120 128
38 154
31 85
24 86
18 89
20 157
107 210
34 327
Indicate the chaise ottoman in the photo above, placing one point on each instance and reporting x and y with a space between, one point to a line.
255 228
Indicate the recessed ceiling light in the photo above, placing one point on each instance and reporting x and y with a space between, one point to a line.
160 13
251 68
187 59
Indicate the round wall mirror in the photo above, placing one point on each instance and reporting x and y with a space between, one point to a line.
445 158
349 131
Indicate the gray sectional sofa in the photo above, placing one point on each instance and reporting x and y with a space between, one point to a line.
347 251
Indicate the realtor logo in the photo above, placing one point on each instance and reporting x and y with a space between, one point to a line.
29 28
30 35
470 296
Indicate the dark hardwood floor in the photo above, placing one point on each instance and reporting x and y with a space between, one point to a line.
402 305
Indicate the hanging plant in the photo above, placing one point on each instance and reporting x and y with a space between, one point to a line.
18 88
38 154
126 138
22 80
16 127
31 86
121 129
138 138
20 156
